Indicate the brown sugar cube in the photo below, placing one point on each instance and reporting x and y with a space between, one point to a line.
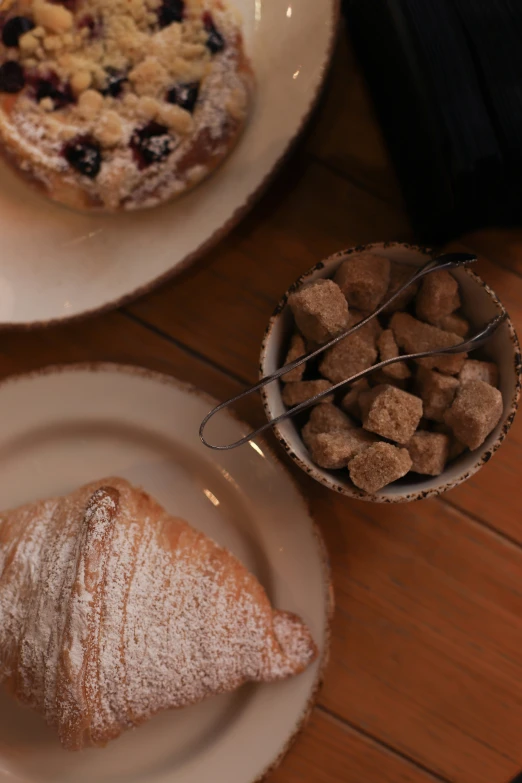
296 350
438 296
474 370
326 418
429 452
350 356
295 393
400 274
379 377
369 331
364 279
437 392
454 323
414 336
476 411
350 401
388 349
320 310
379 465
367 398
391 412
333 450
456 448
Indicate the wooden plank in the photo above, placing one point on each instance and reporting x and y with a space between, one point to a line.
494 482
345 133
330 752
240 286
427 631
308 214
111 338
501 246
427 635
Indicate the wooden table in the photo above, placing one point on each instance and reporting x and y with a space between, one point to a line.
425 678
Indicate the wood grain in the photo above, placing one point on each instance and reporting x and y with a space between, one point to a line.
428 632
344 133
425 680
427 626
292 228
328 751
241 286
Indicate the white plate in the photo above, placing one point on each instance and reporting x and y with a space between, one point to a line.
57 264
66 426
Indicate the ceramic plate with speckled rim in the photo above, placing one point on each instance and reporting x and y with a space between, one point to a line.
65 426
56 264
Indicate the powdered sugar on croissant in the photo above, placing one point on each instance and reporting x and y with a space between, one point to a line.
112 610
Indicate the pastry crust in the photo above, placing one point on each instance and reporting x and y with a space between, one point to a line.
112 610
112 104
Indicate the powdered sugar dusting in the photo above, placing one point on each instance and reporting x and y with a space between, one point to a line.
129 611
21 538
294 639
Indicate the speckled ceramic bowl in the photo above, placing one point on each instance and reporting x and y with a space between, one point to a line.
480 304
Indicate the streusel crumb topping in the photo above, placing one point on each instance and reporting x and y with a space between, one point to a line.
124 82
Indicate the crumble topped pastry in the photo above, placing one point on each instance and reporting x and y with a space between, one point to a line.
120 104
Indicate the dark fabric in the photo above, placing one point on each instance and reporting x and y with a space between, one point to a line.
446 79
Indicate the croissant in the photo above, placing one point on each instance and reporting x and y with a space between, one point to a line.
112 610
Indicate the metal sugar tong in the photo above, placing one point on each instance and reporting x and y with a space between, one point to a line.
444 261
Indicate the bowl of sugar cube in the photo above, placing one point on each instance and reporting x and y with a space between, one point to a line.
411 429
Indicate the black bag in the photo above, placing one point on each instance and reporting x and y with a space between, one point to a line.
446 80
